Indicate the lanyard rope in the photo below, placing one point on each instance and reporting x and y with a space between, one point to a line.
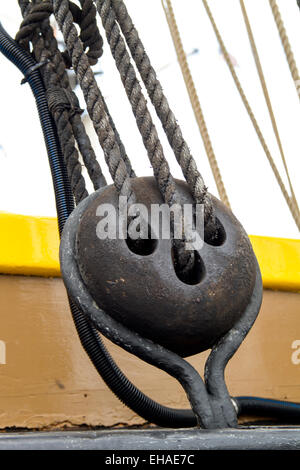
194 99
83 49
159 101
286 44
62 101
268 102
289 201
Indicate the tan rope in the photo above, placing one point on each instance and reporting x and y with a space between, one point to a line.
286 44
267 98
194 99
289 202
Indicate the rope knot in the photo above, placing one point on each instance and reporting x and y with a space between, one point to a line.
61 99
89 35
85 17
37 14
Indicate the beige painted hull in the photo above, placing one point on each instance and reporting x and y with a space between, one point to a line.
47 381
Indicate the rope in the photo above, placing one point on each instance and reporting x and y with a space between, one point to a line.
100 119
120 143
24 6
36 15
62 101
138 102
286 44
166 184
288 200
33 19
82 139
64 106
268 101
184 259
94 100
56 76
89 35
160 103
194 99
85 18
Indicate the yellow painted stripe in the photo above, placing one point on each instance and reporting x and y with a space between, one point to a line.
29 245
279 261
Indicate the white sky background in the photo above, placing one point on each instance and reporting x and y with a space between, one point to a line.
25 182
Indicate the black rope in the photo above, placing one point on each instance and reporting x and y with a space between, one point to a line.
62 101
85 17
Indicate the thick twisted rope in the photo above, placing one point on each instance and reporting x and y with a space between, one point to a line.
59 99
36 16
33 19
89 34
138 102
268 102
62 101
159 100
194 99
287 198
105 133
82 139
64 106
94 101
85 18
166 184
92 41
60 78
24 6
123 152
